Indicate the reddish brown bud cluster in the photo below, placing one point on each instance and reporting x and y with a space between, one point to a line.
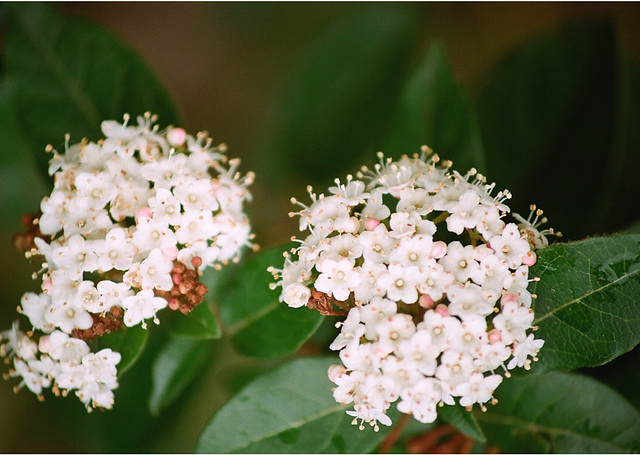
323 303
24 242
107 322
187 292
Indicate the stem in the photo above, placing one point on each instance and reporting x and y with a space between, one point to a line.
443 216
394 434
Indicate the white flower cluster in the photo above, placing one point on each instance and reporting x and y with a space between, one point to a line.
433 282
124 213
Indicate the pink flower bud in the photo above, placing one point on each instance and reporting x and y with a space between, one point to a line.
196 261
176 136
529 259
510 298
442 310
495 335
144 212
170 253
44 344
371 224
425 301
174 304
439 249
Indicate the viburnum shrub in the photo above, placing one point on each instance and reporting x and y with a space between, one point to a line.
431 271
132 221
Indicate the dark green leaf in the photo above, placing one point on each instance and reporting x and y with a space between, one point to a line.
557 119
129 342
65 75
435 110
561 413
261 325
20 184
290 410
342 92
174 368
587 308
200 324
463 420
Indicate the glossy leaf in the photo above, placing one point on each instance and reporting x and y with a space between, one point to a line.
561 413
587 310
342 91
129 342
66 75
463 420
557 117
260 325
435 110
175 367
199 324
290 410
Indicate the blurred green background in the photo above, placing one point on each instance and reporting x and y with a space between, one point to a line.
229 67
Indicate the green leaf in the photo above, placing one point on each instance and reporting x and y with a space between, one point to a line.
129 342
587 310
338 102
463 420
561 413
558 117
21 185
435 110
261 326
175 367
290 410
200 324
66 75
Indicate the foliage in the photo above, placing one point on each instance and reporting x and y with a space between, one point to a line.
552 122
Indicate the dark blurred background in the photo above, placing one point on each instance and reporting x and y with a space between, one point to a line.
226 65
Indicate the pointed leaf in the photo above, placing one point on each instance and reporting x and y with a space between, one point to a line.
200 324
342 91
558 117
66 75
176 365
290 410
587 310
129 342
261 325
435 110
463 420
562 413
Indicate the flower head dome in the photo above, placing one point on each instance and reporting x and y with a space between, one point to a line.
132 221
432 278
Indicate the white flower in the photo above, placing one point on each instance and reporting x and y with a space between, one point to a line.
479 389
376 244
296 295
141 306
155 272
400 283
510 246
68 316
115 251
422 400
351 331
337 278
522 351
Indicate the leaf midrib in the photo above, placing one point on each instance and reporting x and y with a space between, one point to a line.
591 292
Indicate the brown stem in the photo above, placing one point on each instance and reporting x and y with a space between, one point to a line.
394 434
